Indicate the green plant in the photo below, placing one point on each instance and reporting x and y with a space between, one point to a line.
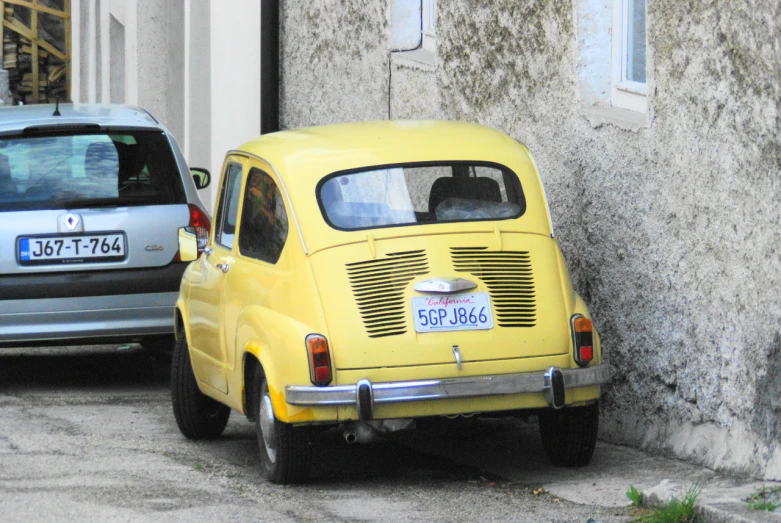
634 496
765 498
676 510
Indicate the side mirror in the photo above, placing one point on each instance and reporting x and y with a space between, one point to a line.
188 244
202 177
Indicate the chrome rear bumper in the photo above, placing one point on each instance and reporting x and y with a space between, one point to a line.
364 394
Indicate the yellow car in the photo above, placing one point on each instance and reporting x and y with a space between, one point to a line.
366 275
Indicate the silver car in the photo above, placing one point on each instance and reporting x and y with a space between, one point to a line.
92 198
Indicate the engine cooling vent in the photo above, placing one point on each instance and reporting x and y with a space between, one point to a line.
508 276
378 286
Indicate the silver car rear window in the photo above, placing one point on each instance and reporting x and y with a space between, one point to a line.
88 170
420 193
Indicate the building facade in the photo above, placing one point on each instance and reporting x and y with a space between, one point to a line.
657 133
193 64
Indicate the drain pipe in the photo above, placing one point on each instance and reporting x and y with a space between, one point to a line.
269 66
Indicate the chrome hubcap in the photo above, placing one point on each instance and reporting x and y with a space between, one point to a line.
267 428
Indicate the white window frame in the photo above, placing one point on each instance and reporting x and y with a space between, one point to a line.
429 35
624 93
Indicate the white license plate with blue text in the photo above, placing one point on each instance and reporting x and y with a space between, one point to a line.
455 312
65 249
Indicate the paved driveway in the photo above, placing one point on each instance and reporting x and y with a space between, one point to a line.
88 434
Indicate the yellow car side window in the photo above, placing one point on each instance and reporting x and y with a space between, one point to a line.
229 207
264 224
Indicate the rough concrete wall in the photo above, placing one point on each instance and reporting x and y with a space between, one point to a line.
175 69
595 41
161 62
99 52
199 153
333 61
414 93
152 54
713 234
671 232
83 95
117 62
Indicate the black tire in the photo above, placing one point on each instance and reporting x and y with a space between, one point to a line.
198 415
161 343
285 450
569 435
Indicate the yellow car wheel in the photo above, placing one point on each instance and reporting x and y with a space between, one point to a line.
198 416
569 435
285 450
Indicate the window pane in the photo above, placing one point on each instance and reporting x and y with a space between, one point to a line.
635 40
229 208
70 171
408 195
264 223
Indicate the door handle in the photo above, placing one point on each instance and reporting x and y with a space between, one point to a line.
224 267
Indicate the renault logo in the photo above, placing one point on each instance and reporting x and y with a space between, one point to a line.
70 222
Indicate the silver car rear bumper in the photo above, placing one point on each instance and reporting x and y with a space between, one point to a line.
365 395
83 318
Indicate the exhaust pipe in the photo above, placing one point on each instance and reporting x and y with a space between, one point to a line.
359 433
366 432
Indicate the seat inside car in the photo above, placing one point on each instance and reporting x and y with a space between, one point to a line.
101 167
7 187
478 188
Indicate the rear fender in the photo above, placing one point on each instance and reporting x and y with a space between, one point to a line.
581 308
575 305
277 342
570 297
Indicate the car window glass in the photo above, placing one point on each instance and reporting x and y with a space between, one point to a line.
412 194
264 224
229 206
70 171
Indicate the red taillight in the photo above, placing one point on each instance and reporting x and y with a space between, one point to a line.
586 353
582 330
200 221
319 360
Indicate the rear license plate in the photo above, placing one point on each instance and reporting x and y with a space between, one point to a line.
457 312
43 250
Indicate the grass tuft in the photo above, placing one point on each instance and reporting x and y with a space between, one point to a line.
674 511
765 498
634 496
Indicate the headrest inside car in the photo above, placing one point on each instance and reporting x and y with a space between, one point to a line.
101 160
5 169
479 188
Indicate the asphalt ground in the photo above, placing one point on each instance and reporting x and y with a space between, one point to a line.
87 434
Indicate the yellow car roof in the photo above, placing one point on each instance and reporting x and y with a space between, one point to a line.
302 157
314 152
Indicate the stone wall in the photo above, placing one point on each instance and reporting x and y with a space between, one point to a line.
671 230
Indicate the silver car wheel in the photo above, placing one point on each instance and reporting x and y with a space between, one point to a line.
267 428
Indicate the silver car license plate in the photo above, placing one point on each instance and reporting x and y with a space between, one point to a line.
453 312
40 250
